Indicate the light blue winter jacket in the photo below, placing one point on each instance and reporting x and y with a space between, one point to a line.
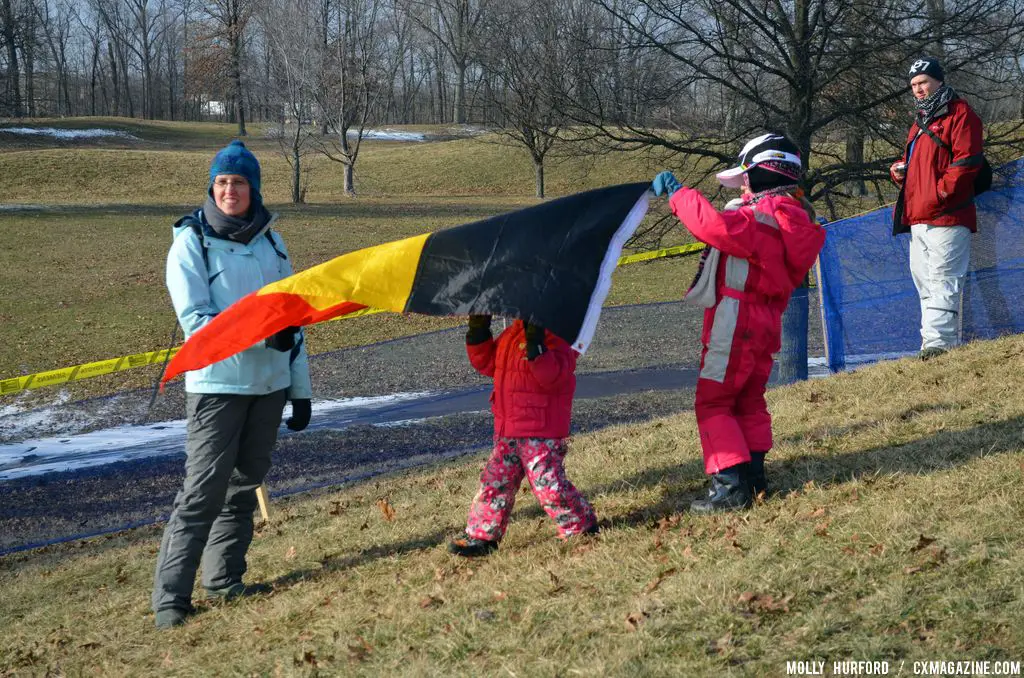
199 293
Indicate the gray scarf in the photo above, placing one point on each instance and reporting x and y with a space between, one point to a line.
934 102
238 229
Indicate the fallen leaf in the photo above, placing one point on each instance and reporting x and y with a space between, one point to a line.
849 550
854 537
500 595
660 578
757 602
386 509
821 529
307 657
877 549
359 651
430 601
922 542
718 646
912 570
554 579
290 553
688 552
306 636
167 662
336 508
818 512
635 619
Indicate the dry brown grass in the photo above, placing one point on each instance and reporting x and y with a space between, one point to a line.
894 534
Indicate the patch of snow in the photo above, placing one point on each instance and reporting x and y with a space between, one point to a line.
93 133
132 442
389 135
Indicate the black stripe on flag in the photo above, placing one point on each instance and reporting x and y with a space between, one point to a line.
547 264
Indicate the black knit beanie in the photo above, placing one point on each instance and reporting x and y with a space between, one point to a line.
927 66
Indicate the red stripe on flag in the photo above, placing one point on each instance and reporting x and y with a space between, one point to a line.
248 321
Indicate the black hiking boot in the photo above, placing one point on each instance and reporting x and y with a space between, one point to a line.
729 491
471 547
758 479
930 352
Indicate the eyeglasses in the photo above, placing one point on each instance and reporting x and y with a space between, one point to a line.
231 182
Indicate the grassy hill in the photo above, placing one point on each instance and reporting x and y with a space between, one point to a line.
894 534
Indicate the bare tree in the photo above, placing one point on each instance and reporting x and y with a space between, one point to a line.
9 19
528 47
809 68
230 18
290 30
352 74
454 25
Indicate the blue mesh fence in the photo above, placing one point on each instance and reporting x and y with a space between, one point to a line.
870 307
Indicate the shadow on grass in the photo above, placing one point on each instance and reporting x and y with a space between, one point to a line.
938 452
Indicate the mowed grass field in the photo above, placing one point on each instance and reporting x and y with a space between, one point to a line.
84 271
893 535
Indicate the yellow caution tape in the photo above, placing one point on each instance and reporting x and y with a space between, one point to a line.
86 371
676 251
102 367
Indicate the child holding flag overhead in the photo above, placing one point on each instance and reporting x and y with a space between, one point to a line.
760 248
534 382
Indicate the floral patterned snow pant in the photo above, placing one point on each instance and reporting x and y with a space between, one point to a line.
541 461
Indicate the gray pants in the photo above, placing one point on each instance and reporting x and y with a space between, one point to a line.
230 438
939 258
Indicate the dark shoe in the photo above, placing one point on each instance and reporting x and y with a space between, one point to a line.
758 479
237 590
729 491
470 547
171 617
930 352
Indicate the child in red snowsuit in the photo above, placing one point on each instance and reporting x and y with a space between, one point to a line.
534 382
760 248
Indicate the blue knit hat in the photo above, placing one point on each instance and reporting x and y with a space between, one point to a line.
235 158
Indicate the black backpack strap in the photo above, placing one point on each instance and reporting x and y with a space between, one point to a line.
197 227
273 243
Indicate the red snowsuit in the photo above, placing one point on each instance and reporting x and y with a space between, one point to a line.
532 405
531 398
767 250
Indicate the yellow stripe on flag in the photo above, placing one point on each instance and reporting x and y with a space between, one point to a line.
380 277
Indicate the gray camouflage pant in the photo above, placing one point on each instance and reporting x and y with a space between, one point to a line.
230 438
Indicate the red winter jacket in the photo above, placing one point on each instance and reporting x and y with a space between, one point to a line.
933 171
531 398
776 237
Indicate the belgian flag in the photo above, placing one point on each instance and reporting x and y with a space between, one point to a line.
550 264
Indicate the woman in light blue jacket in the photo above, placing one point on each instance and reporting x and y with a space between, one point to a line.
221 253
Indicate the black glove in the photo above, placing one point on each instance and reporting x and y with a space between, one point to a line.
302 410
534 341
283 340
479 329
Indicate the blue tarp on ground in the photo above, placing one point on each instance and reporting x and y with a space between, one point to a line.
869 304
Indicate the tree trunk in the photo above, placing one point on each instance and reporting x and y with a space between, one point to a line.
296 176
235 36
855 156
350 180
460 93
14 82
538 170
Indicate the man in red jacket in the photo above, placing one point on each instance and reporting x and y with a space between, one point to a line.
534 375
936 175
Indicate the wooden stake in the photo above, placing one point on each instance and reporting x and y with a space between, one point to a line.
264 499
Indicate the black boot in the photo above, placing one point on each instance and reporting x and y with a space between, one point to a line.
471 547
729 491
758 479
